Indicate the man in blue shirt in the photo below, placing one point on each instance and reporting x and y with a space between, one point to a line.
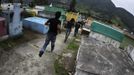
69 27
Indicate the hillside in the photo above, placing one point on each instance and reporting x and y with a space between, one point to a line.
101 9
107 10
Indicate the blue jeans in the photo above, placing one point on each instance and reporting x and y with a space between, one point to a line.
51 37
68 31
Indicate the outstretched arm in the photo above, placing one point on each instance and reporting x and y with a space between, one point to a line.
47 23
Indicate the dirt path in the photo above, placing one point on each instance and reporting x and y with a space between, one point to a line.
24 59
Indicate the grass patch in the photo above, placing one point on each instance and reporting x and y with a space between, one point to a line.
64 65
13 42
73 45
126 42
59 68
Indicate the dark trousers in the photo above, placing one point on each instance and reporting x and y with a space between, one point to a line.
68 31
76 31
51 37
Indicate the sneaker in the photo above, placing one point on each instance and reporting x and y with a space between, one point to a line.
51 50
41 53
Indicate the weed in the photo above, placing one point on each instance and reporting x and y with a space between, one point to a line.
59 68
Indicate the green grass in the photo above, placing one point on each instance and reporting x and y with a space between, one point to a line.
13 42
7 44
127 41
73 45
58 65
73 48
59 68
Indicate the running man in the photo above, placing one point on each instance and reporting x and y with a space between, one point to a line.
69 27
54 28
77 26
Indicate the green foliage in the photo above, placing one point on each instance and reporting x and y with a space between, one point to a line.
117 21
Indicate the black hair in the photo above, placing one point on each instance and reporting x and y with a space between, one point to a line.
72 20
57 15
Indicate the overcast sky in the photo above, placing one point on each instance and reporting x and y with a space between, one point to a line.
126 4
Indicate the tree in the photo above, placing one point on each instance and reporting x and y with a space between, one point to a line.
89 13
40 2
32 4
21 1
10 1
72 5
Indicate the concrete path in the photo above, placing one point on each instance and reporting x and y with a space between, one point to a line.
24 59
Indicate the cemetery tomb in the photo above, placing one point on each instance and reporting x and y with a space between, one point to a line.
36 24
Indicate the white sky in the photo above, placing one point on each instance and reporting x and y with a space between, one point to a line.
126 4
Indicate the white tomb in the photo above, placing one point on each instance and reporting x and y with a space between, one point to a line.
15 28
